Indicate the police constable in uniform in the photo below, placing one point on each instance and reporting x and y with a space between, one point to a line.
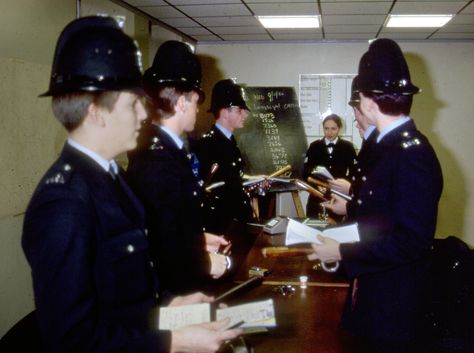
161 172
218 145
84 234
395 206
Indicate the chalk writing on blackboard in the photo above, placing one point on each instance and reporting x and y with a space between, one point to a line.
273 136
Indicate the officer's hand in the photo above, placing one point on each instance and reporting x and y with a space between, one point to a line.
218 265
327 251
337 204
206 337
215 242
194 298
341 185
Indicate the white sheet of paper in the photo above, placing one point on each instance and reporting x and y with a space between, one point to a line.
173 317
255 314
297 233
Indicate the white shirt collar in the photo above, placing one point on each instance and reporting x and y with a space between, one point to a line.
177 140
392 126
104 163
368 131
226 132
327 142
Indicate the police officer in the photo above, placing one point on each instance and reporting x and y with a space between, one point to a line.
217 151
84 234
395 207
166 178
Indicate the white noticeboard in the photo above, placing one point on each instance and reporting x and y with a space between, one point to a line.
324 94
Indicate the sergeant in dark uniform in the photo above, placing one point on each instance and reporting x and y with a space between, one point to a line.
163 176
218 148
332 152
395 206
84 234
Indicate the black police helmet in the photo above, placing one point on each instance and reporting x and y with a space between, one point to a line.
94 54
174 65
383 70
355 98
226 93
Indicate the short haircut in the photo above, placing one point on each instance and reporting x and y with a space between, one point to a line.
392 104
163 100
334 117
71 108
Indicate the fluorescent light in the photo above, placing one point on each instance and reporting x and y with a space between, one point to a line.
289 21
418 20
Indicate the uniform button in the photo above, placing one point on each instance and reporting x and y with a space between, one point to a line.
157 296
67 167
152 264
240 159
146 232
130 248
359 201
353 178
364 178
233 163
370 192
358 169
195 193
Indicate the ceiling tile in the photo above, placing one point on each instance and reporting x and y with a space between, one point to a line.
427 7
238 30
457 36
457 28
228 21
353 19
245 37
294 30
298 36
406 35
469 9
215 10
162 11
193 31
146 2
207 38
288 9
359 8
407 30
180 22
462 20
349 36
352 28
202 2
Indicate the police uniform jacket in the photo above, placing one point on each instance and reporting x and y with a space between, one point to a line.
162 176
86 243
337 163
229 201
395 206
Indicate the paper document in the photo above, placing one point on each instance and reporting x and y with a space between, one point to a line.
174 317
254 314
297 233
322 171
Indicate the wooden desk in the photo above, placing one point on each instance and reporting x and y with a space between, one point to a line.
308 319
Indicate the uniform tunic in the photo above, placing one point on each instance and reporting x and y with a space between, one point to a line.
395 206
229 201
86 244
161 174
337 163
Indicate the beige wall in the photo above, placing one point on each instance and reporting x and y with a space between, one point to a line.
30 138
443 111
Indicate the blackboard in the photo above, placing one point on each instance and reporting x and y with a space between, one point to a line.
273 135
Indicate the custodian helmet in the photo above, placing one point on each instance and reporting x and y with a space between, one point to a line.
226 93
94 54
174 65
383 70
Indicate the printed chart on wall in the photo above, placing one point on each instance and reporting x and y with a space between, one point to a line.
324 94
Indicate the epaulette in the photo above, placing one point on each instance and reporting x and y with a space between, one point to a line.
155 144
409 141
59 176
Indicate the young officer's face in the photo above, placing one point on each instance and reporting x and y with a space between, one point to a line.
237 117
192 109
331 130
125 121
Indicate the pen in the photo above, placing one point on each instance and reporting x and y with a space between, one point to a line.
237 324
